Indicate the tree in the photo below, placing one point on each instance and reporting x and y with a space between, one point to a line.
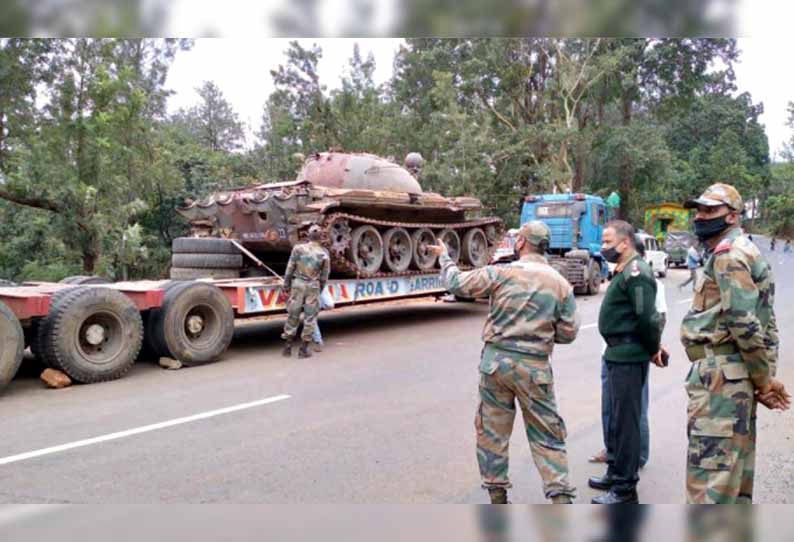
214 120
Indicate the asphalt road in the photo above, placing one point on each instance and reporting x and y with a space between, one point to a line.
383 415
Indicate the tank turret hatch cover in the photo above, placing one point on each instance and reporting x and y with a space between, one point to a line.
358 171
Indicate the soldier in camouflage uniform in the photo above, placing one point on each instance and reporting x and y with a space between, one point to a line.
532 308
730 336
307 274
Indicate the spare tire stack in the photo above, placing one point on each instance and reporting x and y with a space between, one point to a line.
200 257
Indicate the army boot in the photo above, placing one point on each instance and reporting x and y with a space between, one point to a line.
304 351
561 499
287 352
498 495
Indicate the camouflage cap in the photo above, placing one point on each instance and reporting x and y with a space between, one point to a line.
718 194
535 232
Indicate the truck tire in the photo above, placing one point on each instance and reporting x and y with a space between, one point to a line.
189 273
578 254
80 280
12 345
208 261
41 329
195 324
8 284
203 245
152 348
593 277
94 335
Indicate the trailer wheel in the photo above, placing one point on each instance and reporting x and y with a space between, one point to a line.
474 247
42 329
95 334
153 347
203 245
194 325
80 280
208 261
189 273
8 283
12 345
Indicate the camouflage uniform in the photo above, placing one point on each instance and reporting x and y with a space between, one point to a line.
307 273
532 307
730 335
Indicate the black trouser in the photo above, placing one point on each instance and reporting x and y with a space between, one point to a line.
625 382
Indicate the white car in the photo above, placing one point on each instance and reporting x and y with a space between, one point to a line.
655 257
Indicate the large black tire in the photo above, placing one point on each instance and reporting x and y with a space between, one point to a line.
195 324
8 283
203 245
594 274
42 329
12 345
95 334
82 280
208 261
190 273
153 348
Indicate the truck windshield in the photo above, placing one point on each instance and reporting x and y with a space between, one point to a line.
554 210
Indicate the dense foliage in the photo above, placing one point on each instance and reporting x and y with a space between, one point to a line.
92 164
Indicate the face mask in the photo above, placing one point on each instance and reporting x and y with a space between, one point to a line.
706 229
611 255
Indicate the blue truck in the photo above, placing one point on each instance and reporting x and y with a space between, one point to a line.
577 223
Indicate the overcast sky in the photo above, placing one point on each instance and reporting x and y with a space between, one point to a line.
241 68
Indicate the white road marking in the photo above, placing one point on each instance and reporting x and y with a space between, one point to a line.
685 301
588 326
138 430
12 513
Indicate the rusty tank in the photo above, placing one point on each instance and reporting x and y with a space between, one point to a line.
375 216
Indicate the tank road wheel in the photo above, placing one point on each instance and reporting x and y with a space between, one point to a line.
12 344
195 324
424 260
94 335
452 240
339 234
366 250
397 249
474 248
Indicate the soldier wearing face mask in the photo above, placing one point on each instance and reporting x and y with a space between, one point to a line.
731 338
631 326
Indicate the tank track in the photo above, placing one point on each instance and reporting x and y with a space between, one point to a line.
340 263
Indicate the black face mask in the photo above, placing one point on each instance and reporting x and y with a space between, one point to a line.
706 229
611 255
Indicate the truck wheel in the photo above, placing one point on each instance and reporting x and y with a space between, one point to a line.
189 273
594 274
366 250
195 324
423 260
84 280
452 240
474 248
397 249
42 328
8 284
153 347
208 261
12 345
94 335
203 245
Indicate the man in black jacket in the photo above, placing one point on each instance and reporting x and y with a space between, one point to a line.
630 324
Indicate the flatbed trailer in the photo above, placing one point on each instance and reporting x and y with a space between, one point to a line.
95 333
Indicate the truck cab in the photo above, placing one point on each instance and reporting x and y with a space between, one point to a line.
576 222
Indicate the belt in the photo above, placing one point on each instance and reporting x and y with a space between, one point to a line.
616 340
698 351
304 278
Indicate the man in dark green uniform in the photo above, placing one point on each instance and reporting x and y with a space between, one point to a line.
630 325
